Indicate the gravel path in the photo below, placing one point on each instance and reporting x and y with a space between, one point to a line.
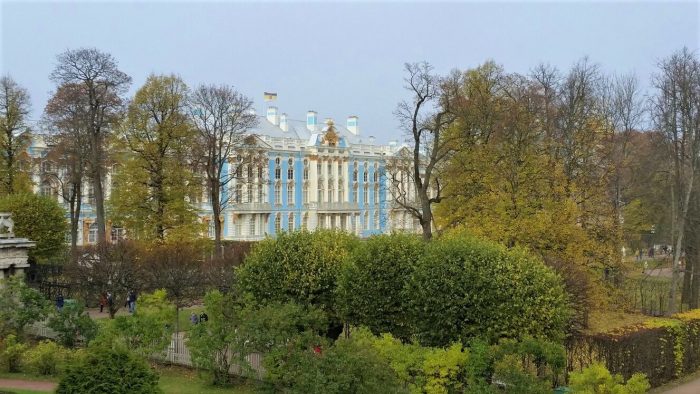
27 385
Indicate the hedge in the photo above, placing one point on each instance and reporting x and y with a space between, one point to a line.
662 348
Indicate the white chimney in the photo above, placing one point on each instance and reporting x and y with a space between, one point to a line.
272 116
283 122
352 125
311 120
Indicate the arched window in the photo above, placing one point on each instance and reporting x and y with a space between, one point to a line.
305 222
366 220
290 194
290 169
92 233
376 220
278 194
306 169
251 225
305 193
278 223
239 194
365 197
290 222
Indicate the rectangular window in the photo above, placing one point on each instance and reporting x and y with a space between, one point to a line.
290 195
278 195
251 225
305 193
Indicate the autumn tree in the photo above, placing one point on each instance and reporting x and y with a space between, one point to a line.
66 115
114 269
14 135
222 117
178 268
103 84
425 118
155 179
676 112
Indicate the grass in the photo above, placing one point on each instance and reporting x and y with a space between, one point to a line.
4 390
178 380
604 321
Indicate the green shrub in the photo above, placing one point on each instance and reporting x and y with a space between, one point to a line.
40 219
300 267
20 306
347 366
371 288
108 371
11 354
465 288
72 323
46 358
596 379
147 331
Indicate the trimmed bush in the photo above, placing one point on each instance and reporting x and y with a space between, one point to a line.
466 288
596 379
109 371
300 267
371 288
46 358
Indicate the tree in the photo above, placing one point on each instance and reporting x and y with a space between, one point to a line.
177 268
155 180
222 117
39 219
466 288
103 83
20 305
66 114
14 135
109 370
425 118
300 267
371 286
72 323
113 269
676 112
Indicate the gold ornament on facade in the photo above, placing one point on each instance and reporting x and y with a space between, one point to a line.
331 137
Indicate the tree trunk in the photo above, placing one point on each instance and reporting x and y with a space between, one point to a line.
215 198
677 249
426 220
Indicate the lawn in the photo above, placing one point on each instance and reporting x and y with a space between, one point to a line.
178 380
18 391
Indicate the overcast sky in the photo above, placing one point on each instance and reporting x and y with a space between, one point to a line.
339 59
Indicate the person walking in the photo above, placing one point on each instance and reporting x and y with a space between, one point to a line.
193 318
59 302
103 301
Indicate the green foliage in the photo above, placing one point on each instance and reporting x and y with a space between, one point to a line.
466 288
46 358
300 267
347 366
371 289
72 324
20 305
40 219
155 179
211 343
444 369
113 371
596 379
11 353
146 332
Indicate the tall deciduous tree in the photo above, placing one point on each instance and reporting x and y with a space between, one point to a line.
66 115
222 117
425 118
14 135
150 199
103 83
676 111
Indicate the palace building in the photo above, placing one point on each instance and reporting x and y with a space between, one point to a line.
290 175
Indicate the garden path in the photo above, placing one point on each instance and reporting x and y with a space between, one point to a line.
27 385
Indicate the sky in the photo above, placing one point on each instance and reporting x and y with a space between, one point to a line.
337 58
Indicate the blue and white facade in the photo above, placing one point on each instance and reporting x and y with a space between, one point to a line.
295 174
